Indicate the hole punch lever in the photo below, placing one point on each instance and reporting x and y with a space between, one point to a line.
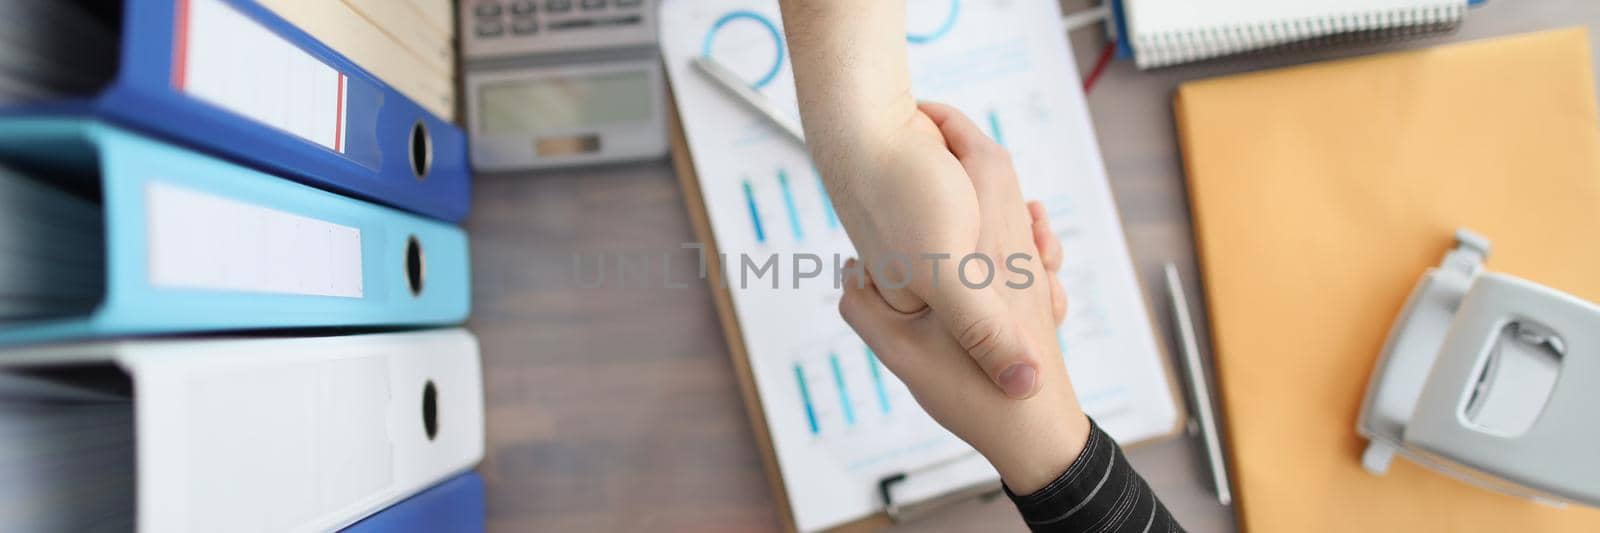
1516 379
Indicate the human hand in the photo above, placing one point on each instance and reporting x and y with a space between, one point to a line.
913 207
900 192
1030 441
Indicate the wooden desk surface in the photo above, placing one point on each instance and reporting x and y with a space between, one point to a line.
616 409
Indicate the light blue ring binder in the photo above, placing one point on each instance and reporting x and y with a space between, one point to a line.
128 164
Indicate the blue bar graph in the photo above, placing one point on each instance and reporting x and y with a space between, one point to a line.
877 381
788 203
994 128
827 203
805 398
844 393
755 213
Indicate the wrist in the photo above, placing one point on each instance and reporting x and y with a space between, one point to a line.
1035 461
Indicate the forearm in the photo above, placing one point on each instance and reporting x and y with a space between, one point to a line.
850 71
884 163
1100 491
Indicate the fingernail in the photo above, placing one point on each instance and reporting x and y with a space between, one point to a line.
1018 380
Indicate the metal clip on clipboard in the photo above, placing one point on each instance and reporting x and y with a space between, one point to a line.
900 512
1491 379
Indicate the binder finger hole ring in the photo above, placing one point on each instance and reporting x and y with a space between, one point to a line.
416 267
430 409
421 151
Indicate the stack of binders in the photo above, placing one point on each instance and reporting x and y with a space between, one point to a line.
230 280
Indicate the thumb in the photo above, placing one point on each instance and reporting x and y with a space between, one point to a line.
980 321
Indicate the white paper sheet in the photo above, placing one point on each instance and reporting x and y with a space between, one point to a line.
202 241
839 420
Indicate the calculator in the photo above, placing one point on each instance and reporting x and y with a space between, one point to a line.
561 82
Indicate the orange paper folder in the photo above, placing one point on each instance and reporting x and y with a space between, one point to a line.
1321 194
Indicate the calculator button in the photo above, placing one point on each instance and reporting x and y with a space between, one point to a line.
571 24
525 26
621 21
490 29
629 3
593 4
522 8
487 10
558 6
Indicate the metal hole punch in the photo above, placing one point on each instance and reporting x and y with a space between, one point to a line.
1491 379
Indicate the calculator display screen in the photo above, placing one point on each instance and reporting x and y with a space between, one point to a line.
562 103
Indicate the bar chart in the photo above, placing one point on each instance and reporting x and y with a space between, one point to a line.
843 387
852 405
779 198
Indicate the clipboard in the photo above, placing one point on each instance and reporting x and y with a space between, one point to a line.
894 512
831 452
694 202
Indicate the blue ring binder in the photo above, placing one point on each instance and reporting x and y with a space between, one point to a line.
372 153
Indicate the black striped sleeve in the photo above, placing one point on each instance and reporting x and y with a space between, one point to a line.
1099 492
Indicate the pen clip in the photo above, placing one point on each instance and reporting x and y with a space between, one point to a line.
733 85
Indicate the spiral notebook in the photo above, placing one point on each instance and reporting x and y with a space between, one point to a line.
1167 32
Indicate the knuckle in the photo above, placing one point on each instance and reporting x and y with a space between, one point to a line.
848 306
982 340
855 311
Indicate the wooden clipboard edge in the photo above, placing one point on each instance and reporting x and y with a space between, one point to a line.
694 201
1164 351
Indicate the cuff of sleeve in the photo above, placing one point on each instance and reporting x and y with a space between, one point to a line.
1074 487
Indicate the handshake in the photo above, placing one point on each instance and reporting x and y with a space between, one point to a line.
981 358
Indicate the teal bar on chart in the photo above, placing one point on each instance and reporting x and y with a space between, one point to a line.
827 204
844 393
805 398
877 381
1061 340
994 128
755 212
788 203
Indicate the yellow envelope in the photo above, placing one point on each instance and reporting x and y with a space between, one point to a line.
1320 194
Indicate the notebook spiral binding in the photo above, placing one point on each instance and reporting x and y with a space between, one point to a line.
1174 47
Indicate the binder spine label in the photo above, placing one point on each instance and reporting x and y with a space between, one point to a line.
201 241
226 59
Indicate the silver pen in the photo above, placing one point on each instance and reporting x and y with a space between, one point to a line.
742 92
1198 391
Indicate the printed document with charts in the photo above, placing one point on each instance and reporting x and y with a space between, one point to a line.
839 421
